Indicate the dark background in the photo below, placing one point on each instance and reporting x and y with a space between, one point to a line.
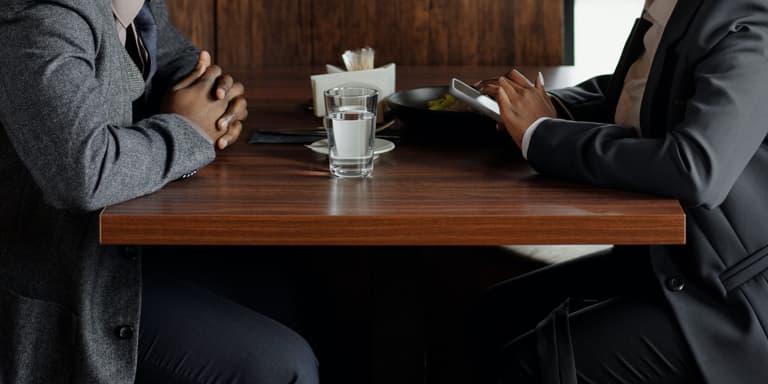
378 315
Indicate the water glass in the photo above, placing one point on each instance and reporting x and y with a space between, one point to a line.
351 123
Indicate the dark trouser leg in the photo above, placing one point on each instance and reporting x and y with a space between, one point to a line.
189 335
625 340
614 293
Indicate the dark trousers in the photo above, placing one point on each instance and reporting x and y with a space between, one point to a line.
189 335
621 328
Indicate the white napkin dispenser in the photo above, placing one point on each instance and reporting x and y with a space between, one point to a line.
381 79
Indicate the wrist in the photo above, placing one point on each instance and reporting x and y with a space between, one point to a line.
197 127
528 135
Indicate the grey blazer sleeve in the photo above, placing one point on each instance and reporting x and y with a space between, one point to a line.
698 160
60 113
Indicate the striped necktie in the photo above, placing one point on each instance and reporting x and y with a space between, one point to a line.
146 28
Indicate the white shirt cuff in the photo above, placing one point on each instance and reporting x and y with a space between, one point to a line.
528 134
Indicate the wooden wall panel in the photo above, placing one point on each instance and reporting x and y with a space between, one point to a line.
233 28
285 29
538 27
250 33
412 39
342 24
471 32
264 32
399 30
195 19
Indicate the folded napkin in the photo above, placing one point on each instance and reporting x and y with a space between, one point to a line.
381 79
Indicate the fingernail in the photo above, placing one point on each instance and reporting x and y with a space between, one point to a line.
226 120
541 79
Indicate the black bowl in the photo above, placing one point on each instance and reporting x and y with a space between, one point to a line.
410 107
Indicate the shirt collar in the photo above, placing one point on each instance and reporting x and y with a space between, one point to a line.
659 11
126 10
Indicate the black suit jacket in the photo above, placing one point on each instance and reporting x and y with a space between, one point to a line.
704 121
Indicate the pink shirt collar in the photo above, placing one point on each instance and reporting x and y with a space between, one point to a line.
125 11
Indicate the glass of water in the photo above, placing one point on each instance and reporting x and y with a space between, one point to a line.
350 118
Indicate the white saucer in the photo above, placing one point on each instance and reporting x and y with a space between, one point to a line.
379 146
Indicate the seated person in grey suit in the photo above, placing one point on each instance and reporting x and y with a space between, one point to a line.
100 103
683 116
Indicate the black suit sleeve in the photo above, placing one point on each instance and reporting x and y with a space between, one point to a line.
586 101
698 160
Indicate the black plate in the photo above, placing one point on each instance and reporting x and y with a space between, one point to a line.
410 106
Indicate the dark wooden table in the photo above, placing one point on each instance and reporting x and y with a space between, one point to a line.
420 194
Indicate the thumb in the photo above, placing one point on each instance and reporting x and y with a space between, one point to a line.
203 62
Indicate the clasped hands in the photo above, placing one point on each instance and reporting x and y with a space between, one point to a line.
521 102
211 100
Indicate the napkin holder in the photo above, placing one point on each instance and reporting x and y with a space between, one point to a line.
381 79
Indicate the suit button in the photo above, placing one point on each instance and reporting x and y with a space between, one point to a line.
675 284
124 332
188 175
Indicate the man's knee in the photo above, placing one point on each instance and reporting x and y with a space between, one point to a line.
286 359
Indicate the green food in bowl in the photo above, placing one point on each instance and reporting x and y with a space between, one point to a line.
448 103
442 104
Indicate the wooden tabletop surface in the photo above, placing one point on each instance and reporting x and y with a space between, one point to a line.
441 192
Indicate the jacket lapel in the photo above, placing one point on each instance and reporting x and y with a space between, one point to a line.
676 28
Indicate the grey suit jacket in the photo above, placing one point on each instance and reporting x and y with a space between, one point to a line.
704 120
69 145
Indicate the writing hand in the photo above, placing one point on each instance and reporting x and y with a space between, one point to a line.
522 103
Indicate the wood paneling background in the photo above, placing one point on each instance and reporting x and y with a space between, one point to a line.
247 33
195 18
